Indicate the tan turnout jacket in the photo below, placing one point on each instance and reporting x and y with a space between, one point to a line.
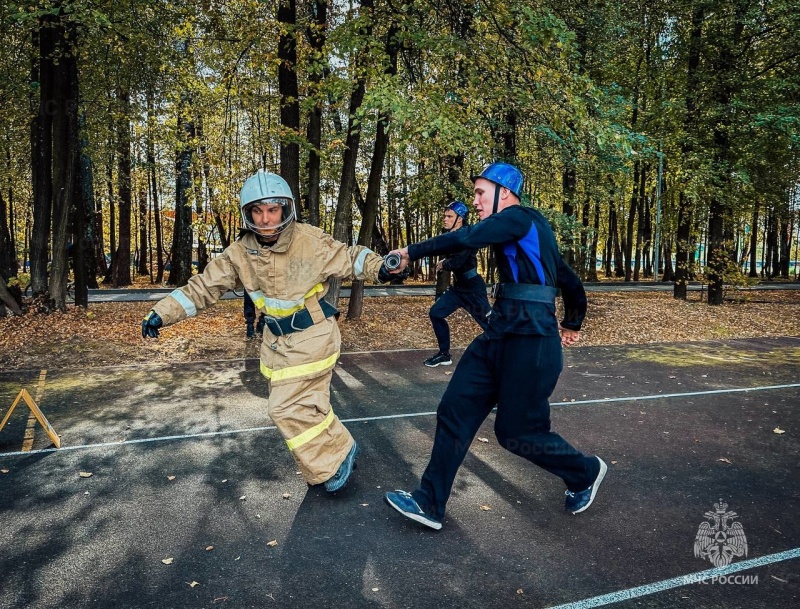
282 279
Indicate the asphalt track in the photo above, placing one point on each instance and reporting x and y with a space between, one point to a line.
186 466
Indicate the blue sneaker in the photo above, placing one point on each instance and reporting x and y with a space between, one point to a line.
404 503
578 502
340 478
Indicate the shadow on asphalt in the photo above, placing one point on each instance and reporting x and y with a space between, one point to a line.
185 465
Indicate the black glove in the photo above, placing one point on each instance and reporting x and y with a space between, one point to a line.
384 276
150 325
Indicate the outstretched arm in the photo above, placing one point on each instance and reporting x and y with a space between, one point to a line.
199 293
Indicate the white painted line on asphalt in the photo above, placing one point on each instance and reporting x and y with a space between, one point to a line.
210 434
658 396
191 436
683 580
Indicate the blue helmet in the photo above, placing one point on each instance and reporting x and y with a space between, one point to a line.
505 175
460 208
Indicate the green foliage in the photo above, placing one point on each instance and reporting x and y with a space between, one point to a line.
551 86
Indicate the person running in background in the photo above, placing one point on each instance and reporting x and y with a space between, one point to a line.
468 291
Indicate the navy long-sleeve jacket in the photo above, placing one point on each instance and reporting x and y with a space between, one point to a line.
459 263
526 252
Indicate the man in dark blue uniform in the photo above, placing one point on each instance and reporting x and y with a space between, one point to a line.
515 363
468 291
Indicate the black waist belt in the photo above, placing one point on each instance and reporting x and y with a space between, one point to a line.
526 291
467 275
299 320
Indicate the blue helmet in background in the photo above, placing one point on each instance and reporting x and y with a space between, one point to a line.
460 208
505 175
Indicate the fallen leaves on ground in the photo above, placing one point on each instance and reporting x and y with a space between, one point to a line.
111 335
85 474
167 561
272 543
778 430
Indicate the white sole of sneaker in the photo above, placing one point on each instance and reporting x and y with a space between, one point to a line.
416 517
440 364
595 486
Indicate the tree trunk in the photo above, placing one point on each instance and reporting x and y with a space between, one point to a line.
784 251
7 300
343 221
121 275
290 103
153 188
144 240
754 243
316 32
370 213
726 72
631 222
41 154
8 257
379 244
181 256
669 272
10 298
592 270
202 249
683 244
84 223
112 218
66 162
181 252
568 187
640 225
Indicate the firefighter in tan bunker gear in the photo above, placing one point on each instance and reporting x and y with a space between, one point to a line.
285 266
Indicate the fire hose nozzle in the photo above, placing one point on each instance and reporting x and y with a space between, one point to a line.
392 261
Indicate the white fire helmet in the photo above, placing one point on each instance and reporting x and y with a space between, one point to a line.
265 188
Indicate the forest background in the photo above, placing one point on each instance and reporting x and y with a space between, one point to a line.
660 137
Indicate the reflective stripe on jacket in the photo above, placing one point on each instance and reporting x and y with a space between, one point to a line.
280 279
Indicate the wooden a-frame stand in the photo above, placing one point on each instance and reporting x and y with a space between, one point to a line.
24 395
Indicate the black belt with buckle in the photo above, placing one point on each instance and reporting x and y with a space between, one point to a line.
299 320
525 291
467 275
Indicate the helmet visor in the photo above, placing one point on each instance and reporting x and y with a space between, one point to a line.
288 215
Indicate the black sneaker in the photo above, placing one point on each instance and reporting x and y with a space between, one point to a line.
251 331
578 502
440 359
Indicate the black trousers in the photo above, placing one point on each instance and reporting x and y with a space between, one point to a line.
250 310
517 373
475 303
